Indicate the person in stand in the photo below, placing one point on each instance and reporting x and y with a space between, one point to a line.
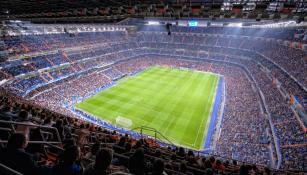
15 157
23 117
102 163
137 164
69 163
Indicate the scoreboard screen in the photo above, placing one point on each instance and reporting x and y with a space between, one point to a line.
193 23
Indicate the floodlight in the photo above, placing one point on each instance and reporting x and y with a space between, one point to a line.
235 24
153 23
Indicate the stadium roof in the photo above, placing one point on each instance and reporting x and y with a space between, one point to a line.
119 9
34 6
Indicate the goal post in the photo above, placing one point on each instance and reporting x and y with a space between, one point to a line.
123 122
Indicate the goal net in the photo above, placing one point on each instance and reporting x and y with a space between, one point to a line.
123 122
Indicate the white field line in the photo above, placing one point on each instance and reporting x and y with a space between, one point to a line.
212 106
203 117
210 113
96 116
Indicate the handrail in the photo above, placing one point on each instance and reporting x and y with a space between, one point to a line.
178 164
7 170
155 131
34 142
33 125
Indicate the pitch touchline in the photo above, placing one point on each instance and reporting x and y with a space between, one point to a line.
203 117
216 84
213 101
205 110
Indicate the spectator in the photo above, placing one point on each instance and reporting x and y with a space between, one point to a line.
59 126
208 164
137 164
138 145
183 168
92 154
181 152
128 148
212 160
82 133
7 113
23 117
209 171
244 170
122 141
102 163
47 122
15 157
218 166
68 143
69 162
158 167
267 171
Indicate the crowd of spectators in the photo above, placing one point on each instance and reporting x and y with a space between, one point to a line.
74 90
32 43
276 33
113 73
89 149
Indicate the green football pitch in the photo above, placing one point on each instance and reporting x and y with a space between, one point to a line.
176 102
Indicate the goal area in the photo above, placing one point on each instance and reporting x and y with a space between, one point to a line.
123 122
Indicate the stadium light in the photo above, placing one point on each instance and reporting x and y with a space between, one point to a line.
153 22
290 23
235 24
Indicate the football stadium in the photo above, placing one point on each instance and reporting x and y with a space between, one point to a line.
192 87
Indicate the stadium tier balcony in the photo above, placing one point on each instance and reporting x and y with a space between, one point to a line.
29 43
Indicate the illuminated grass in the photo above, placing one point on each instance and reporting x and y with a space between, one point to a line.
176 102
